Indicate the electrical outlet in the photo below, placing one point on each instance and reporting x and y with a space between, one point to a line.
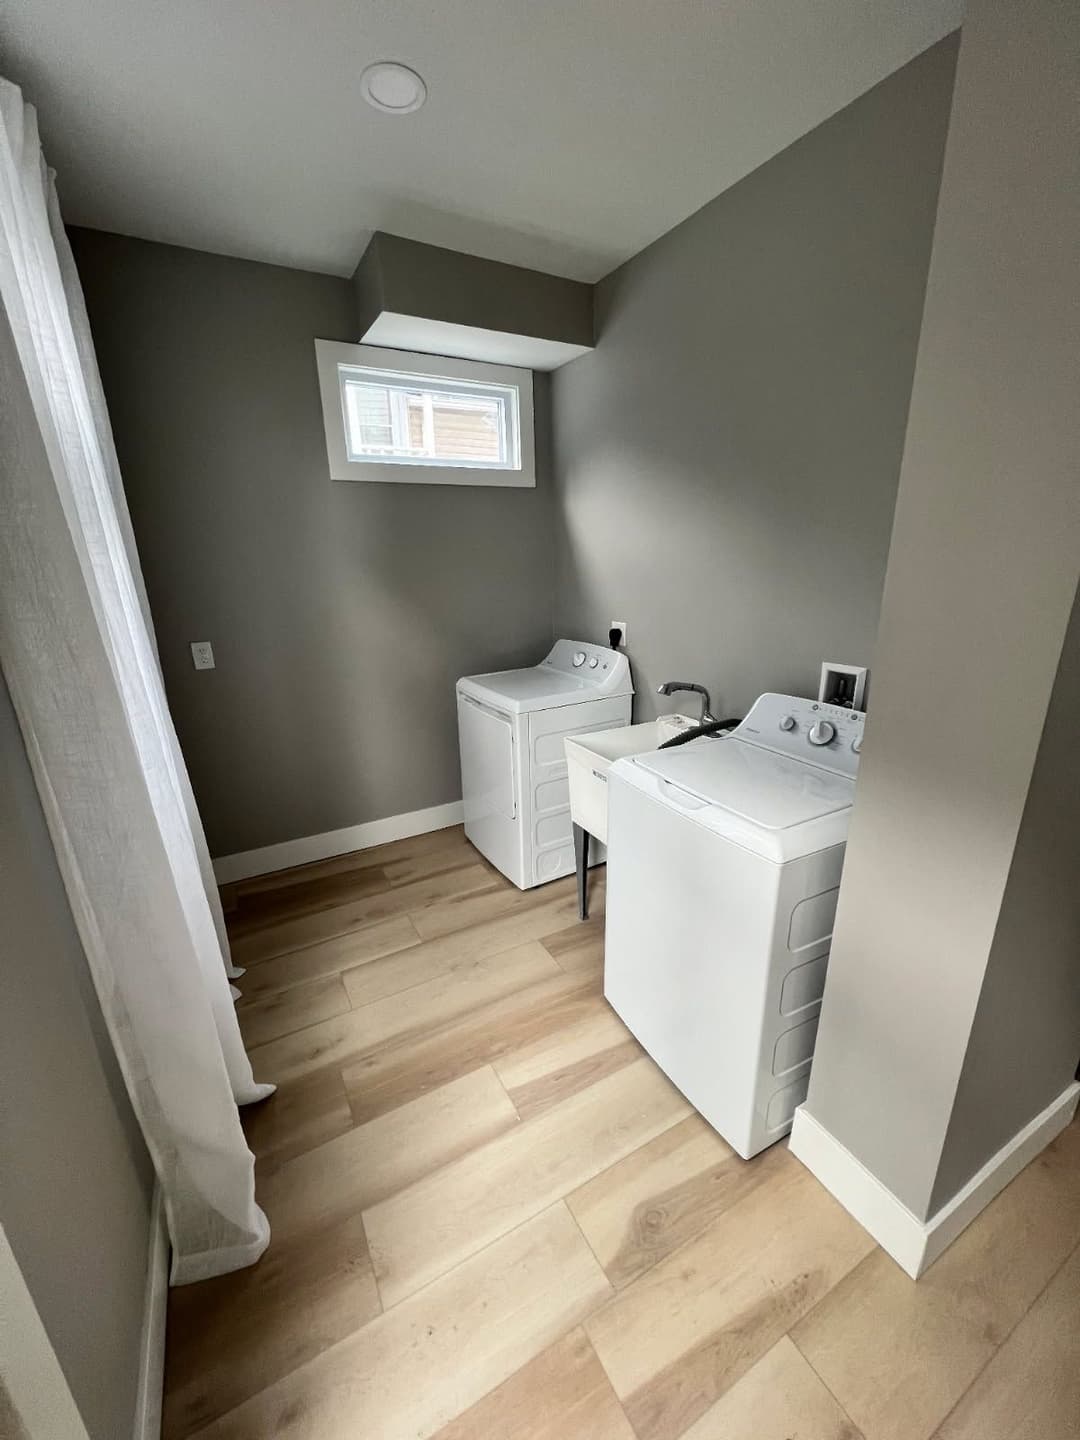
620 625
202 655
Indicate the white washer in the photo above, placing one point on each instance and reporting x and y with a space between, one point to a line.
511 727
724 860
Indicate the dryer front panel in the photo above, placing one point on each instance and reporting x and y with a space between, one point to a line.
489 785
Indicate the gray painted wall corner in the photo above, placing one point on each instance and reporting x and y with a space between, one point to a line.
726 461
341 614
982 576
1024 1046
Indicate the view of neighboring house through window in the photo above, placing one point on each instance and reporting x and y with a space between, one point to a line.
427 420
397 417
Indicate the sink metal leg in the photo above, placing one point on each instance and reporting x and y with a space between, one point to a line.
581 857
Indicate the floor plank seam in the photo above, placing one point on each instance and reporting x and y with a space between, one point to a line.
379 884
688 1239
839 1403
560 1200
374 1276
403 1037
409 911
819 1302
324 939
596 1257
493 1067
999 1347
468 1259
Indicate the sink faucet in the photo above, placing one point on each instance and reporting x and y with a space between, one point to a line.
669 687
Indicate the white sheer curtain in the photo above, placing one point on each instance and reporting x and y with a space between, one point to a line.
77 650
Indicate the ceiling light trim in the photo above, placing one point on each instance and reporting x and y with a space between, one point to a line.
393 88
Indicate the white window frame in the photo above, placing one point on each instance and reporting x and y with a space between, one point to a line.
331 355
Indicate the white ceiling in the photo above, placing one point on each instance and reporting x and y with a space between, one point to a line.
561 134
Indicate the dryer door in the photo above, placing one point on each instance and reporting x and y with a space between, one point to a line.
487 762
489 786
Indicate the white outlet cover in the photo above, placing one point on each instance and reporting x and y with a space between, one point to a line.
620 625
202 654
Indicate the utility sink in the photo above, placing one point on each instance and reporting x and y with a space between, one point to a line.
589 757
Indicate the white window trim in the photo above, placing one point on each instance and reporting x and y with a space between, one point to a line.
329 354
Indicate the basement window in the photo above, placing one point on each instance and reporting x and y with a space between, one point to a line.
392 416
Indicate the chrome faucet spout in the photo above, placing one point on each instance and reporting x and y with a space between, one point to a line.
670 687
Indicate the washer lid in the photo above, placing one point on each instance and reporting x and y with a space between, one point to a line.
536 688
760 787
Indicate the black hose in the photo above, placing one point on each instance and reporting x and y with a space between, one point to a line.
685 736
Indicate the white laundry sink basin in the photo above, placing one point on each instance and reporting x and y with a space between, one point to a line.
589 757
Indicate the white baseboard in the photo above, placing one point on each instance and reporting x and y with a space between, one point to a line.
896 1229
336 842
152 1351
957 1214
913 1243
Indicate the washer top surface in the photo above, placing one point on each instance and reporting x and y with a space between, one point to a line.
782 784
759 786
572 673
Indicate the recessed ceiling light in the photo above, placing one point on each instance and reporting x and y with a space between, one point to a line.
393 88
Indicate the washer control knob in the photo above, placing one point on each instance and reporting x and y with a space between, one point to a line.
822 732
594 662
579 659
787 722
856 744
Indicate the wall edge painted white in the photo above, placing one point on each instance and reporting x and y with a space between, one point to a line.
913 1243
423 336
248 863
152 1349
30 1372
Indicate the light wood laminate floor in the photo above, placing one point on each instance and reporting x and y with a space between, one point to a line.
495 1219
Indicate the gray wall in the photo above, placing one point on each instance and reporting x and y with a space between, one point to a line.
727 459
75 1179
1025 1042
410 278
981 580
341 614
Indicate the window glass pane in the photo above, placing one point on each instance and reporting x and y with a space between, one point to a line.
467 429
370 427
424 420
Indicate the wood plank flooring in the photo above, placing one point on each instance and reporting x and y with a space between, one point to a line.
495 1219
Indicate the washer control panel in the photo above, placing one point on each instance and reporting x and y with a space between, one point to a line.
593 665
829 736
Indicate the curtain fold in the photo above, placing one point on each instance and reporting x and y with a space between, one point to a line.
84 345
77 649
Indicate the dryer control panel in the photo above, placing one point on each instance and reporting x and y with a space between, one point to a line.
829 736
594 665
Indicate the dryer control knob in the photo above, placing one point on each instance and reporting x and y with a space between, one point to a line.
579 658
822 732
594 662
787 722
856 744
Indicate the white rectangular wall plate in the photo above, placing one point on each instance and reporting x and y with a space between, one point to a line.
843 685
202 654
619 625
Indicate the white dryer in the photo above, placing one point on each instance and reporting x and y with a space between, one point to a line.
511 727
724 861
